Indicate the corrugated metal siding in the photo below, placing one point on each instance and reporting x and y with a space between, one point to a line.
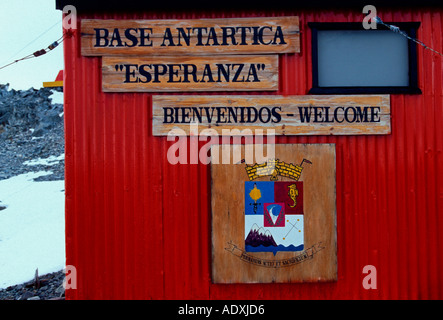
140 228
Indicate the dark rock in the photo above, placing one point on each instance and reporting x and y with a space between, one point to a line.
24 110
32 128
60 290
26 295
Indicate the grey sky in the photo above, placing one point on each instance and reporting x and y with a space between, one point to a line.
27 26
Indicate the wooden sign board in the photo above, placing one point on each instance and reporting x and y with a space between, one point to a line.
256 35
190 73
287 115
274 219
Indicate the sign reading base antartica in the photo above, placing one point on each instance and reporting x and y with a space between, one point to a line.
273 220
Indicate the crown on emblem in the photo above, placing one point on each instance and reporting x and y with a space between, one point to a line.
274 168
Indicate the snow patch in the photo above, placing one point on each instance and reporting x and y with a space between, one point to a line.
32 228
56 97
50 161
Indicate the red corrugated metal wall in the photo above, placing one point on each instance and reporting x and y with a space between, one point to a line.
140 228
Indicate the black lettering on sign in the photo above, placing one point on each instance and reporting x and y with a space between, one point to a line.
229 114
184 72
132 37
357 114
218 115
198 36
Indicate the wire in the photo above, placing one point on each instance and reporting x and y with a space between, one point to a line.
397 30
41 35
38 53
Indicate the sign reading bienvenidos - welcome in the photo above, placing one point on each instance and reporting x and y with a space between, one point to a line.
287 115
262 35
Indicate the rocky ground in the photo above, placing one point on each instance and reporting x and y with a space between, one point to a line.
46 287
31 127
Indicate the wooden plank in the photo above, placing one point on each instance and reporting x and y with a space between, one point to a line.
190 73
287 115
316 260
190 36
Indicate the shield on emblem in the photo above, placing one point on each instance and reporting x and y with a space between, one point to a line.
273 216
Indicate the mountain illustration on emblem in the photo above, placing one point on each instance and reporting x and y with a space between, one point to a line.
259 237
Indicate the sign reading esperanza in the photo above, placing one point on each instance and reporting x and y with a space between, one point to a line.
190 36
188 73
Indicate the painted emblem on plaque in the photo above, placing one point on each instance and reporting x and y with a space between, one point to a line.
273 218
274 209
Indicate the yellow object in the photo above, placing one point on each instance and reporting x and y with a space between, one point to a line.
293 194
255 193
274 168
52 84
